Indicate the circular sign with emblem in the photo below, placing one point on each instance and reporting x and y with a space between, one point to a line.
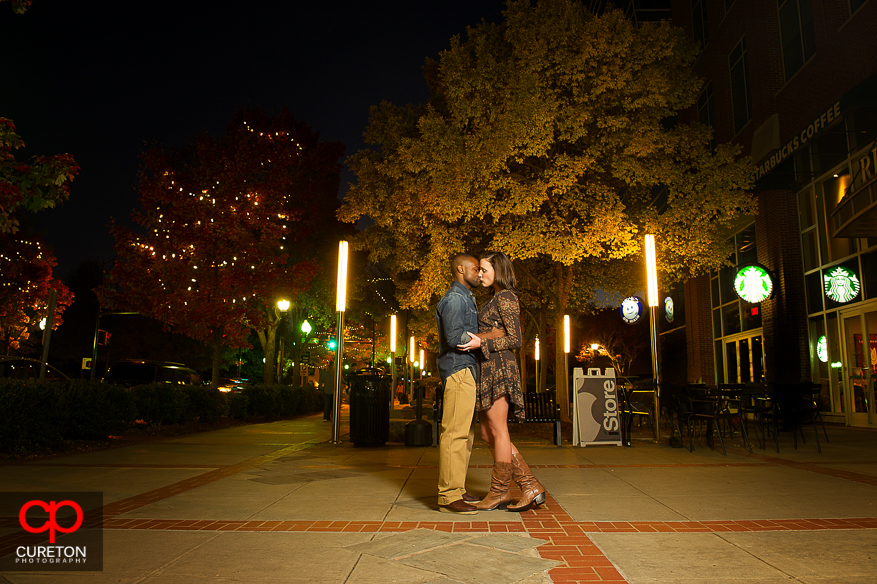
822 349
631 309
753 283
668 309
841 284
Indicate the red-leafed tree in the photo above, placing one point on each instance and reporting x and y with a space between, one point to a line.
25 284
219 219
38 184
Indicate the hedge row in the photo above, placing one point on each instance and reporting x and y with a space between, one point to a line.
36 415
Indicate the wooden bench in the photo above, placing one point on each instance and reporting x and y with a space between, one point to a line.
539 408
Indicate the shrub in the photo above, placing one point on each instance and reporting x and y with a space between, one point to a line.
205 404
160 403
94 411
237 405
29 415
262 400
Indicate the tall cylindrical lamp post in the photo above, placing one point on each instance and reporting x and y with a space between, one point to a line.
340 305
652 290
566 356
393 357
283 306
536 358
306 328
410 368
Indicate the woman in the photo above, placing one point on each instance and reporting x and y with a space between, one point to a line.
499 385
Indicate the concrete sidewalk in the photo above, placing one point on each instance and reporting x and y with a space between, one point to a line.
276 502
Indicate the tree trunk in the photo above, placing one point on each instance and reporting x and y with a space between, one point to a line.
216 342
267 338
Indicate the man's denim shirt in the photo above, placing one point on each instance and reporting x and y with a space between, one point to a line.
456 315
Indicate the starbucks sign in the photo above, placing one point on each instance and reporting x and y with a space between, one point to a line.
822 349
841 284
753 283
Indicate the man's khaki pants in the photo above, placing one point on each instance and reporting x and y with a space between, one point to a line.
458 432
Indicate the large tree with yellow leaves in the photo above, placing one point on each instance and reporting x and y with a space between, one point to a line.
548 136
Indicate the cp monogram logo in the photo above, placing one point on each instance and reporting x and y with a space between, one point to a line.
52 525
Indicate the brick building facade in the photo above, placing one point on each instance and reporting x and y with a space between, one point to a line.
794 83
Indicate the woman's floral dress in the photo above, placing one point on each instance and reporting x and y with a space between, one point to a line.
499 367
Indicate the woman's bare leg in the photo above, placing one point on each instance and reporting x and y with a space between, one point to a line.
497 417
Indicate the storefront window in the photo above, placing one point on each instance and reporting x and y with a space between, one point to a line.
869 275
833 189
731 318
810 249
805 209
813 286
863 126
834 358
751 316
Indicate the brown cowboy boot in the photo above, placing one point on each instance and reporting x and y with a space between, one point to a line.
499 496
532 492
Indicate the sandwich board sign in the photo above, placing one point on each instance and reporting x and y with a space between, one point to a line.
596 415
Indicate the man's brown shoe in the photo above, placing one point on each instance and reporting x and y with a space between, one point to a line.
470 498
459 507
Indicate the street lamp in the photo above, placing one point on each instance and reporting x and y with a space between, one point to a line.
340 305
306 329
536 355
393 356
282 306
652 289
422 363
411 367
566 354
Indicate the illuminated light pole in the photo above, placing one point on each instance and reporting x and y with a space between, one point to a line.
282 306
393 357
410 368
422 363
566 356
340 305
536 358
47 333
306 329
652 289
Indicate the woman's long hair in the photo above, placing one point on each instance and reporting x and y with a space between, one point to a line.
503 270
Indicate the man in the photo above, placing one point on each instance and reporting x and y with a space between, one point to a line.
327 387
457 317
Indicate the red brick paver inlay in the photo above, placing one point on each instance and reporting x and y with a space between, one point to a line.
566 540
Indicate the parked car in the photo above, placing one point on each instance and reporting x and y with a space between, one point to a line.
27 368
130 372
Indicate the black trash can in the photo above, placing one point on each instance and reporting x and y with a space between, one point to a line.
369 407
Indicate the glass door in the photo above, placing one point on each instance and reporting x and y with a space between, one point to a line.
744 360
860 340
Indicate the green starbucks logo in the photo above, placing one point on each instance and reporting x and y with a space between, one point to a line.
841 284
822 349
753 284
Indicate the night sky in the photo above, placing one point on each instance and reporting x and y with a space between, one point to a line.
99 79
